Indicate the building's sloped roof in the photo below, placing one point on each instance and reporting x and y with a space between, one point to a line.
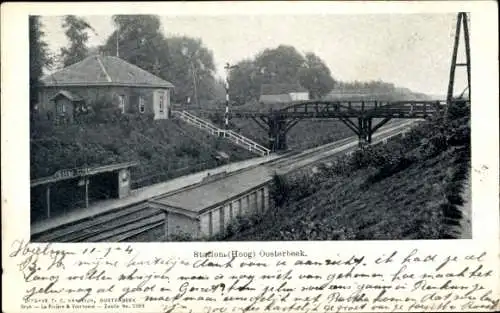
68 95
104 71
278 89
211 194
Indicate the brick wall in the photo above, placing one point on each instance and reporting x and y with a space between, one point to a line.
92 93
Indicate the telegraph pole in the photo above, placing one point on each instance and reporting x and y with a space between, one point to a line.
461 20
189 56
195 79
117 43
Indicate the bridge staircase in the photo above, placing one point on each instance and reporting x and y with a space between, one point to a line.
230 135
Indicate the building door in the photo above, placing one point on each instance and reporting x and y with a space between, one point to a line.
64 110
161 104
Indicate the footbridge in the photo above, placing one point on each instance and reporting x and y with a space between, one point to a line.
362 117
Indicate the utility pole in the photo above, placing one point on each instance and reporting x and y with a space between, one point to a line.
189 56
194 83
117 43
461 19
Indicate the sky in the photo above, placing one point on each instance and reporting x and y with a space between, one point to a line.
409 50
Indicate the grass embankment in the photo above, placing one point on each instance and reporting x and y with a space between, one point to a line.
409 188
164 148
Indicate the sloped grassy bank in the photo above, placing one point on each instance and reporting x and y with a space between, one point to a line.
164 148
409 188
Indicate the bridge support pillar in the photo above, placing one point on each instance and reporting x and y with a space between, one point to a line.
277 134
365 131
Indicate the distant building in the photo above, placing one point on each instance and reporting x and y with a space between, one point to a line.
282 93
82 84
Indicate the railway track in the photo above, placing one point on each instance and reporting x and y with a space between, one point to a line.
85 229
295 161
128 222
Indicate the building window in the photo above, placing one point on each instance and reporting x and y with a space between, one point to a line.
161 103
142 107
122 103
61 108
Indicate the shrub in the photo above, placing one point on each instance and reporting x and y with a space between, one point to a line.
360 159
105 109
280 190
181 236
187 149
302 186
238 225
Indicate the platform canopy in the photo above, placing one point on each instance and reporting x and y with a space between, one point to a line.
72 173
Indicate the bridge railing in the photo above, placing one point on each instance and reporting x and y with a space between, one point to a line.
231 135
354 108
410 108
201 123
250 144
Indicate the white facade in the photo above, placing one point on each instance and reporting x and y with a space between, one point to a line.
161 104
299 96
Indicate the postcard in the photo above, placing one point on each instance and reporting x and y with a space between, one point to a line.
234 157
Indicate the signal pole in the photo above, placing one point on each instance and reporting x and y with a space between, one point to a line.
228 67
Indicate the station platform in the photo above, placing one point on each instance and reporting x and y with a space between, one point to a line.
145 193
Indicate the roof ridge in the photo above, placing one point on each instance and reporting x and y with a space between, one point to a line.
103 68
133 65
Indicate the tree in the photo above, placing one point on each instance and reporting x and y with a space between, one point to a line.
245 80
183 61
191 69
76 29
315 76
137 39
280 65
40 57
219 90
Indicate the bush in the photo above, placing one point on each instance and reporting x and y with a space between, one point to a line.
238 225
105 109
187 149
360 159
280 190
181 236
